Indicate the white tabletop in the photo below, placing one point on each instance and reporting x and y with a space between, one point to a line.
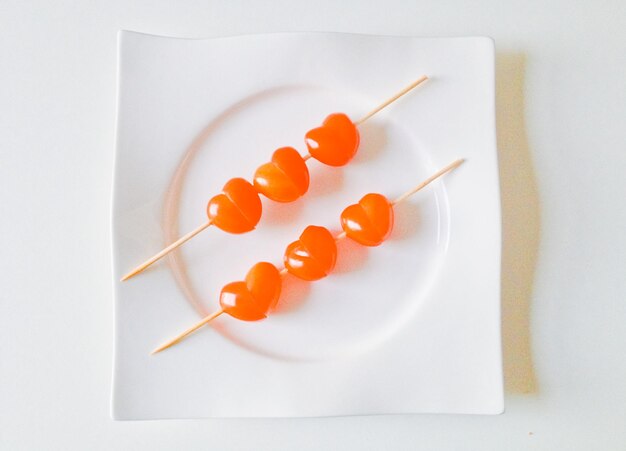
561 105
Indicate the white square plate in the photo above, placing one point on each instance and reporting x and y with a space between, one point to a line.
411 326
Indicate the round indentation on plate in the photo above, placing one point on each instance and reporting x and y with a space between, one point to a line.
373 292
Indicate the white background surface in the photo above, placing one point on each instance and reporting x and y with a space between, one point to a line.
562 139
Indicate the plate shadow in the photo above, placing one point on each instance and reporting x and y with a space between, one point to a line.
520 223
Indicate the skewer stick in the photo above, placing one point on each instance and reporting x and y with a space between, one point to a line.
284 271
429 180
193 233
167 250
392 99
192 329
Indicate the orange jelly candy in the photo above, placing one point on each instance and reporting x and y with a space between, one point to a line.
335 142
370 221
285 178
313 256
252 299
237 209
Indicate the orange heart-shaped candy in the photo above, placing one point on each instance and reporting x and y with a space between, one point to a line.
335 142
313 256
237 209
251 300
370 221
285 178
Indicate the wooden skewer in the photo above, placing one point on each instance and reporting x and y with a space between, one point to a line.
429 180
284 271
193 233
167 250
392 99
341 236
192 329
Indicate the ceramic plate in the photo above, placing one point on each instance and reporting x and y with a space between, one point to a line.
411 326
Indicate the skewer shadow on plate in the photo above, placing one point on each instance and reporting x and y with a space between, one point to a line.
373 142
408 220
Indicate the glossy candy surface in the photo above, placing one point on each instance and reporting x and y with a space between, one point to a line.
313 255
334 143
237 209
370 221
285 178
251 300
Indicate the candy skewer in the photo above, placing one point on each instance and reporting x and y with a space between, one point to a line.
338 237
305 157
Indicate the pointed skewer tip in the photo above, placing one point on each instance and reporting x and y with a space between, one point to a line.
163 347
